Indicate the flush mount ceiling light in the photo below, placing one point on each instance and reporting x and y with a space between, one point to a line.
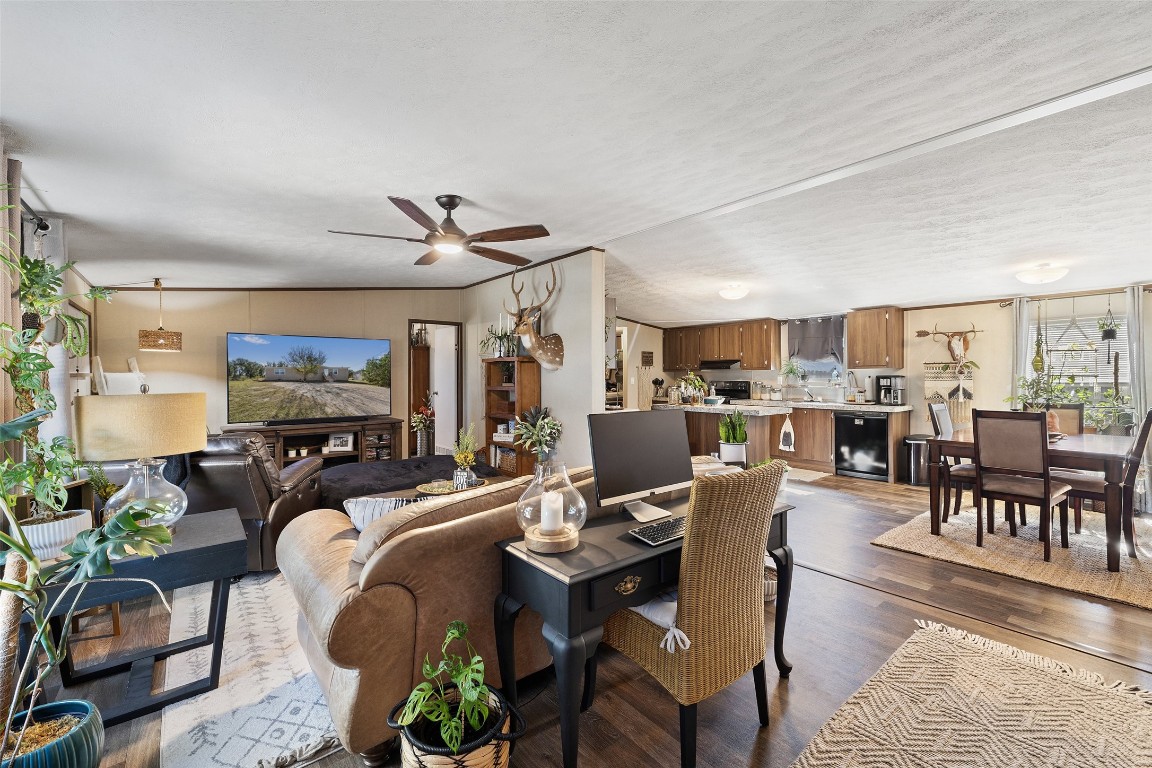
1041 273
734 291
160 340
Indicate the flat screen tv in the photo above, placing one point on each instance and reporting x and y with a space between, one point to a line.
280 379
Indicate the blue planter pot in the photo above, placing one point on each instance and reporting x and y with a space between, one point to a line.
79 748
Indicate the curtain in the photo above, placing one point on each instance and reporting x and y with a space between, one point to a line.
1021 349
1134 308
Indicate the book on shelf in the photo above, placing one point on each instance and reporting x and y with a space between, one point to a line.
503 437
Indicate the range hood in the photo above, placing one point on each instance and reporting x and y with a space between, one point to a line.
716 365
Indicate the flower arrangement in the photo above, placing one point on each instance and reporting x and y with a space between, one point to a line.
424 420
465 449
538 431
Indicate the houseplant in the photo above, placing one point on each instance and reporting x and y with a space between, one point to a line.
423 424
538 431
734 436
452 712
500 343
464 452
792 370
693 387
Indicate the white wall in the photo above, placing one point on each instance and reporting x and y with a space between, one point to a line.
576 312
204 317
641 338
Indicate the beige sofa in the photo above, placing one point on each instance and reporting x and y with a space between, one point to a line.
372 604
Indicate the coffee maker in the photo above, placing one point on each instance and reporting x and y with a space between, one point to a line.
891 390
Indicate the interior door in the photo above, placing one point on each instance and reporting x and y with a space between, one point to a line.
434 366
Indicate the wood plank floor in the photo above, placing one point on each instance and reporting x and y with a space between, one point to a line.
852 605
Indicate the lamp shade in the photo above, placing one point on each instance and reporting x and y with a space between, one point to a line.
160 340
114 427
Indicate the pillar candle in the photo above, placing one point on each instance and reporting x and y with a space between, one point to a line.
551 512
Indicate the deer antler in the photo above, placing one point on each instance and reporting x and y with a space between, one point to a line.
972 332
515 293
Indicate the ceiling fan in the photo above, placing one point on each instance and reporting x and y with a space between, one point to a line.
446 237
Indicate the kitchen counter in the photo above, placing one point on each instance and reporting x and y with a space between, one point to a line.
822 406
747 407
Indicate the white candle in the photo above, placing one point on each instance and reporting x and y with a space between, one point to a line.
551 512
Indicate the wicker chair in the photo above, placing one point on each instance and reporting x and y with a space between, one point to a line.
956 476
721 601
1087 486
1012 466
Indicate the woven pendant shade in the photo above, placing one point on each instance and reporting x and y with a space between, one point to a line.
114 427
160 340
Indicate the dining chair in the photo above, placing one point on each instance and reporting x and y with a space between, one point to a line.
720 605
1012 466
957 476
1070 417
1092 487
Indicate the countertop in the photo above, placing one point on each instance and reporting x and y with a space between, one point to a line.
826 406
747 407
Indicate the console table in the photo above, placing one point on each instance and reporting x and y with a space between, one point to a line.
574 594
373 439
208 546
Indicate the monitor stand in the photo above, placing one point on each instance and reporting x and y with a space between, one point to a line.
645 512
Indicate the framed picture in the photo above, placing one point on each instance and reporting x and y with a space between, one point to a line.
340 441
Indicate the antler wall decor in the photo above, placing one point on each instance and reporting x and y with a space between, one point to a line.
957 343
548 350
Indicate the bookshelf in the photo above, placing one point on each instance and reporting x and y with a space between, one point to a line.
511 386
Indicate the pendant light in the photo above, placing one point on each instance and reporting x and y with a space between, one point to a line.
161 340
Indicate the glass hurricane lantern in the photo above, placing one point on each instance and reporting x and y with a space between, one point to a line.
551 511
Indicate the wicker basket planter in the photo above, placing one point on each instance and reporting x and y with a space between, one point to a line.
490 749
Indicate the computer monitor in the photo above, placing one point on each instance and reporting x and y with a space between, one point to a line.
639 453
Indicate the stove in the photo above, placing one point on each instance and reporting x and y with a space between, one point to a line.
734 390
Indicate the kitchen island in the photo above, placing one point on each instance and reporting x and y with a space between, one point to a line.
704 426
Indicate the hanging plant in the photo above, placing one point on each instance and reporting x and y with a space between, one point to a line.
1108 326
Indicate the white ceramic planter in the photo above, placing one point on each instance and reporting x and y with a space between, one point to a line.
733 452
47 538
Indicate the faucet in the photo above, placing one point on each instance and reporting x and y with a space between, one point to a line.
853 384
808 397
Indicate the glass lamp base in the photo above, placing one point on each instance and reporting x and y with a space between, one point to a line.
147 484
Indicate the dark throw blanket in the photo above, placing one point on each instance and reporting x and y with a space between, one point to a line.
347 481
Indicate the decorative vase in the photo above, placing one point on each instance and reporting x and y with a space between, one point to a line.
551 511
491 748
146 481
48 537
81 747
463 477
734 453
422 442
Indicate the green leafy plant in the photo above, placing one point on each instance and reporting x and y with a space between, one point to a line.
538 431
792 367
465 449
734 427
453 693
693 381
1041 391
99 481
1110 410
495 343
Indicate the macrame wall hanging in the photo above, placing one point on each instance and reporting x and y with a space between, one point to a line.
944 384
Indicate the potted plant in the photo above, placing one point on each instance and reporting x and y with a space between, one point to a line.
792 370
423 424
452 712
734 437
464 452
1111 414
538 431
498 343
693 386
1108 326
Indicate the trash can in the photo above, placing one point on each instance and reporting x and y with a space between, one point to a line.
917 459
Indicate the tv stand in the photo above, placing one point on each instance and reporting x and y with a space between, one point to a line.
375 438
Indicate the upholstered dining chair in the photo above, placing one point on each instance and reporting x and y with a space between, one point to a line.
720 609
1089 486
1012 466
1069 417
957 476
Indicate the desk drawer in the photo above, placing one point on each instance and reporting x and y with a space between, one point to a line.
625 586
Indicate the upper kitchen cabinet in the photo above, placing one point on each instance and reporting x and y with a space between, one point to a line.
728 342
672 338
759 344
876 338
690 348
709 342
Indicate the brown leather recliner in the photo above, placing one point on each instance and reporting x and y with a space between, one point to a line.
237 470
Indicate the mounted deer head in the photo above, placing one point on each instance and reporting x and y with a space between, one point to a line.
548 350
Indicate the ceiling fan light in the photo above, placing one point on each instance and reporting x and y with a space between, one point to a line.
734 291
448 247
1041 273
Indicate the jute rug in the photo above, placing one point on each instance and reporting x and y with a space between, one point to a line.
805 475
268 709
1083 567
950 698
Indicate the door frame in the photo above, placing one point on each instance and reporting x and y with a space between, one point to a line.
412 324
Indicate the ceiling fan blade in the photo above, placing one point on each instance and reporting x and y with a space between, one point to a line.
501 256
369 234
412 211
429 258
506 234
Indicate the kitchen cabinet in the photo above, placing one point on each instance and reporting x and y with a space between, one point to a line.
812 429
704 435
876 338
672 338
690 349
728 342
759 344
755 343
709 342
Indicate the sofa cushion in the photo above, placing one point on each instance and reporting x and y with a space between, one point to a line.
445 508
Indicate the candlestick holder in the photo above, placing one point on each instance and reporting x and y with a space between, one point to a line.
551 511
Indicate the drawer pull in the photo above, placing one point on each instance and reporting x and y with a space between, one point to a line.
629 585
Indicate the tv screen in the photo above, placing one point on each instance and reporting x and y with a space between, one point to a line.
278 379
639 453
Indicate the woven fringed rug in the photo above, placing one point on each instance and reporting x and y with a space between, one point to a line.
805 475
269 710
1083 567
950 698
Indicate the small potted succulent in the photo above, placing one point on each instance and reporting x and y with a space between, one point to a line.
452 718
734 437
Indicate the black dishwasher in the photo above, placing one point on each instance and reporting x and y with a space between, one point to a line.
862 445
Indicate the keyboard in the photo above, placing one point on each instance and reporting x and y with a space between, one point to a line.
662 532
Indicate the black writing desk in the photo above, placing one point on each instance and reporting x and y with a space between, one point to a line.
576 591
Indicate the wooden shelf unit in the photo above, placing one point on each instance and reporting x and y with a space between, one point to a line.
374 439
505 402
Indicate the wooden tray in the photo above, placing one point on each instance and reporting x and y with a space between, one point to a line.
444 487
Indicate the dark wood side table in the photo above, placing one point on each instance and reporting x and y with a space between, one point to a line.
575 592
206 547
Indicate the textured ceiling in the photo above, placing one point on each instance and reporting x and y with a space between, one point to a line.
214 143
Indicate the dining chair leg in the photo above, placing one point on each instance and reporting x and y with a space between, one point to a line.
1077 507
991 516
687 736
1064 523
1023 517
1010 516
1126 523
980 524
1046 530
945 505
959 495
758 677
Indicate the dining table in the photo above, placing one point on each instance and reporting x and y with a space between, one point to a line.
1092 452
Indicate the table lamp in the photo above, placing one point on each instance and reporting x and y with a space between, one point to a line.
117 427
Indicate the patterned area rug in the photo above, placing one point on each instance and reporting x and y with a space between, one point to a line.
1083 567
268 702
950 698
